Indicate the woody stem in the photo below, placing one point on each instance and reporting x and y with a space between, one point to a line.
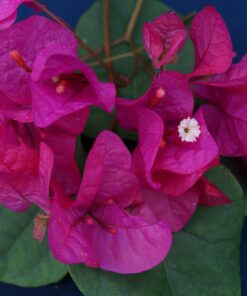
107 47
106 30
129 30
133 20
120 56
140 59
187 18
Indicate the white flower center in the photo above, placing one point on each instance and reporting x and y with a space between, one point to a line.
189 130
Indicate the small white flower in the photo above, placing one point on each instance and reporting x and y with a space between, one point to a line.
189 130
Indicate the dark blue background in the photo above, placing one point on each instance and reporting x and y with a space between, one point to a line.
234 13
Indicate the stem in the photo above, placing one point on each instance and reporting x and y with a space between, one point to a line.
113 124
141 59
187 18
127 38
100 50
79 40
128 32
120 56
133 19
106 31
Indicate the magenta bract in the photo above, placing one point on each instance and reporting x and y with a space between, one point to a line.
25 177
212 43
8 12
162 158
225 111
169 95
175 210
40 72
163 38
60 137
20 45
65 85
228 129
234 80
53 102
178 210
107 226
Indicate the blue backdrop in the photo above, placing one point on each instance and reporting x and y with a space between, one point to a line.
234 13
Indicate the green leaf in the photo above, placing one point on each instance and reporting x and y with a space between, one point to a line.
23 260
237 166
204 259
210 246
120 13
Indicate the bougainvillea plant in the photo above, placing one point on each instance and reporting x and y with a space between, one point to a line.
111 148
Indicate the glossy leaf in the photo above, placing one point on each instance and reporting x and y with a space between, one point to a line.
25 261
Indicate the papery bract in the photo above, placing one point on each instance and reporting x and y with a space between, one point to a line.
222 85
163 38
23 41
161 156
106 226
228 130
169 95
212 43
60 137
234 80
175 210
178 210
26 48
225 114
39 70
65 85
179 160
24 176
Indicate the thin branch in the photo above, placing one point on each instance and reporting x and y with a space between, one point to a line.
120 56
140 59
127 35
106 32
126 38
133 19
101 49
113 124
187 18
